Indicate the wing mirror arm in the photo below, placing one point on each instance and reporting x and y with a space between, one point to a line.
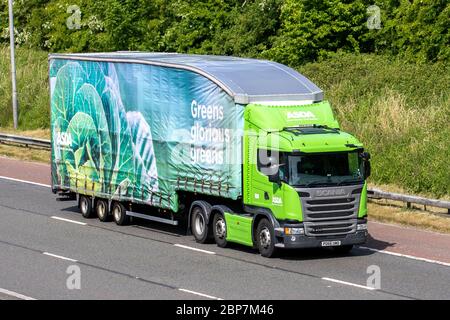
367 165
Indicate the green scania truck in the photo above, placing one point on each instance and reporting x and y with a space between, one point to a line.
241 150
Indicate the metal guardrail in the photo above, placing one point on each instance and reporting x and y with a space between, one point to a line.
372 193
26 141
379 194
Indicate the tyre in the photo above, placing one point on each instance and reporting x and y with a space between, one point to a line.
199 225
85 204
101 208
119 214
343 249
265 239
220 230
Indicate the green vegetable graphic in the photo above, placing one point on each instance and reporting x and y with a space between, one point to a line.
100 149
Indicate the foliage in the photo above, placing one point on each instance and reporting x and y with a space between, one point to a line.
32 88
288 31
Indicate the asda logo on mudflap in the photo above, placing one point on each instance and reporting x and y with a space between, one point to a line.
304 115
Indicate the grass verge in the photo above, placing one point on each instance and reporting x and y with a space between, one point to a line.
24 153
431 220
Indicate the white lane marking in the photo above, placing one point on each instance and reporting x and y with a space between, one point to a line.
15 294
348 283
24 181
407 256
58 257
68 220
193 249
200 294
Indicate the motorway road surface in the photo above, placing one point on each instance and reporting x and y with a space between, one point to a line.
40 238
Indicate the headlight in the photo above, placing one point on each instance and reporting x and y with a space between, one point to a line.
297 231
362 226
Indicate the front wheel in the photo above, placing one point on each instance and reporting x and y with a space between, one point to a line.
220 230
265 239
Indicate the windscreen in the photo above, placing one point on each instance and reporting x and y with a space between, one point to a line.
325 169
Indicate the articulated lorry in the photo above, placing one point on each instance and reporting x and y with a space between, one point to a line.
239 150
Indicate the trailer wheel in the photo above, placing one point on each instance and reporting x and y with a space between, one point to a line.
119 214
85 204
101 208
265 239
220 230
199 225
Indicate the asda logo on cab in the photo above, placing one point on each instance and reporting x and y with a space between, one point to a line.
303 115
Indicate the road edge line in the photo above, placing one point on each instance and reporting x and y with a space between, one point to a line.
406 256
15 294
25 181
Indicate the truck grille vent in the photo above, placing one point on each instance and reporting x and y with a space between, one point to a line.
330 201
329 212
330 228
331 208
345 214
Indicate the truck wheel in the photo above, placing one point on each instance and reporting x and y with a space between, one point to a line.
101 208
119 214
199 226
343 249
85 205
220 230
265 239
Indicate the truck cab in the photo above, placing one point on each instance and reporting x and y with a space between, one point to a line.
306 176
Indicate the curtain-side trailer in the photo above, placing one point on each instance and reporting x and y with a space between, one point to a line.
243 150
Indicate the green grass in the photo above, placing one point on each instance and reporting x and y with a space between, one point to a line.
32 88
400 111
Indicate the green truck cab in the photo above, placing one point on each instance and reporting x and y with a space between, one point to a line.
241 150
305 176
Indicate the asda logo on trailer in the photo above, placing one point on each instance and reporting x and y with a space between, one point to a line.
304 115
63 139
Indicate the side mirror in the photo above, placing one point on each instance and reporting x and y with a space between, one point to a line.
367 169
366 156
367 166
275 178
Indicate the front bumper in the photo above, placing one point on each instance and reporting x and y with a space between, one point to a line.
304 241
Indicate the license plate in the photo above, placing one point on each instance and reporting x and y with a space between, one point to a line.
330 243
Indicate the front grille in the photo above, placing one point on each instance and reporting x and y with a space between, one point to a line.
330 228
331 208
330 201
330 215
345 214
